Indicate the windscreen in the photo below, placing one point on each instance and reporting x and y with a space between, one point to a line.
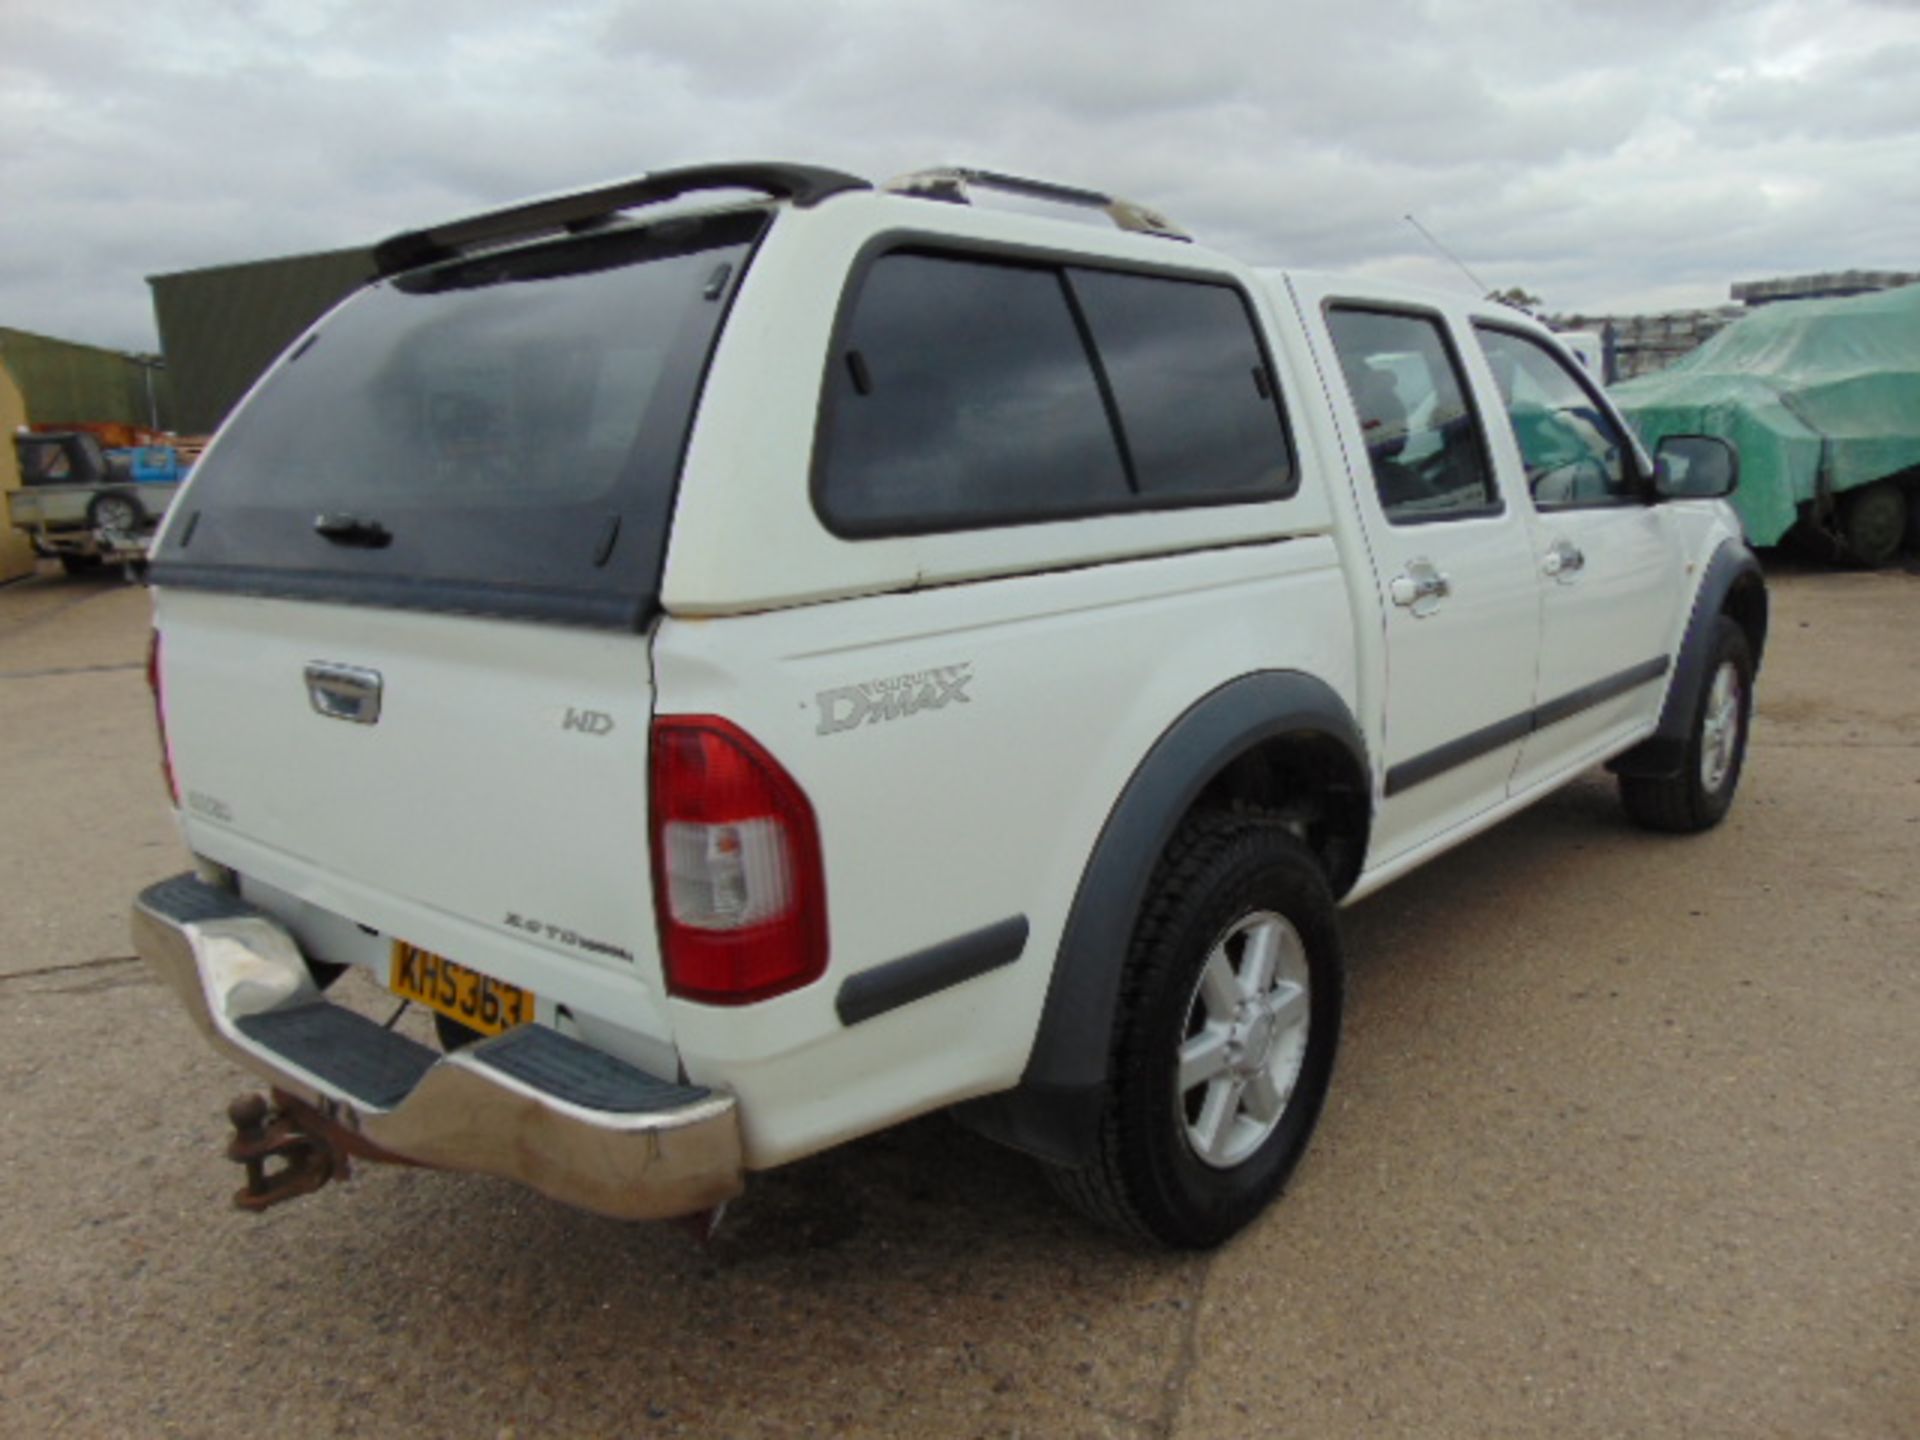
499 434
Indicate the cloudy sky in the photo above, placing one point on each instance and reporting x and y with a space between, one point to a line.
1614 154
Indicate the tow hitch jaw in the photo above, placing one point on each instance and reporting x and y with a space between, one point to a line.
531 1105
261 1134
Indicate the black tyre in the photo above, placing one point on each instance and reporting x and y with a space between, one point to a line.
1224 1040
79 564
116 511
1699 796
1873 523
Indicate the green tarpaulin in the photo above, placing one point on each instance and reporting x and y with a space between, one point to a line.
1813 393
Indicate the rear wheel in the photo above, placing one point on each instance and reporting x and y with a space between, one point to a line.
1698 797
116 512
1873 522
1224 1042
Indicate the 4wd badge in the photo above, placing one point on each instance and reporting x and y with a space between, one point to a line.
849 706
587 722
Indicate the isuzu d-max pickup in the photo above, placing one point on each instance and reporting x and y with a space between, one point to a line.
761 657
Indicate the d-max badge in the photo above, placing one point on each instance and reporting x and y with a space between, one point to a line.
848 706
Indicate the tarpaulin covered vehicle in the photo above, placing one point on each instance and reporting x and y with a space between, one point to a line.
1822 398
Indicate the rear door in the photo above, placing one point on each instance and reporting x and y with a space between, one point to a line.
1453 563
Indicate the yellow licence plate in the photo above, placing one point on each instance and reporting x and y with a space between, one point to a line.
477 1001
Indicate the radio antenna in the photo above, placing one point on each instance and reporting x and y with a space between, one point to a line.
1427 234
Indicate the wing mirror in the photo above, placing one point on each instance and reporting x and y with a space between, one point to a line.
1695 467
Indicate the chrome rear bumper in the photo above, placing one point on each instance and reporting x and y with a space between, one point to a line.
531 1105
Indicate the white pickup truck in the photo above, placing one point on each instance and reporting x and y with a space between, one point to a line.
766 666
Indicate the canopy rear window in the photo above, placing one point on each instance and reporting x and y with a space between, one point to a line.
498 434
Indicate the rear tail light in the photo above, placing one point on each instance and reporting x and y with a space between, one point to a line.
738 886
155 685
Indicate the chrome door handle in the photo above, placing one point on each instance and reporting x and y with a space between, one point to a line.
1420 587
1563 559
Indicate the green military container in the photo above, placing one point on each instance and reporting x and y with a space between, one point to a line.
67 383
222 326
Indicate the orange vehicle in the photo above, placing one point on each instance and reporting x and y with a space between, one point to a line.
112 434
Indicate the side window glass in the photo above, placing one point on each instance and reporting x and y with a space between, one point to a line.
962 393
1573 452
1195 397
1423 440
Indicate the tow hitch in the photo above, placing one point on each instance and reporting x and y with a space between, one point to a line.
313 1150
281 1129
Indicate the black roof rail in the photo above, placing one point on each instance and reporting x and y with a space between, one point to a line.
804 185
951 182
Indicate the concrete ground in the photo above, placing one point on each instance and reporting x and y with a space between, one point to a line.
1623 1142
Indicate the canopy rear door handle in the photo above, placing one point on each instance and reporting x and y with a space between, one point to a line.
345 692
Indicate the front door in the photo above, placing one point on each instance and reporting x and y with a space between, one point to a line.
1454 563
1609 563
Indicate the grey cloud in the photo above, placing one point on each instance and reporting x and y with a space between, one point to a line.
1861 98
1643 147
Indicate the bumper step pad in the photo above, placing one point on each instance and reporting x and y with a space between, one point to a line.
189 900
369 1062
560 1066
